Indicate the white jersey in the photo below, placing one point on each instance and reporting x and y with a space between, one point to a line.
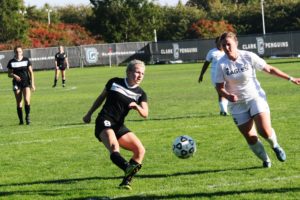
213 56
240 75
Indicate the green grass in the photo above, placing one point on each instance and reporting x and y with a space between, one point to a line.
57 156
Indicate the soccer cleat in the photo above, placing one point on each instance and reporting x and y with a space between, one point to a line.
267 164
54 85
280 154
224 113
27 120
64 85
131 170
21 123
125 184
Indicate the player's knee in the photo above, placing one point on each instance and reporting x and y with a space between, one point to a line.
142 152
114 148
252 139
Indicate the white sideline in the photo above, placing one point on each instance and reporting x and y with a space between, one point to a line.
37 141
255 181
68 88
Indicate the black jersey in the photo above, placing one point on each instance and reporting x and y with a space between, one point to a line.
119 96
20 68
60 59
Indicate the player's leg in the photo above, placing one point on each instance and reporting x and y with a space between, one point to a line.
111 143
249 132
27 96
223 103
56 76
63 77
132 143
264 127
19 102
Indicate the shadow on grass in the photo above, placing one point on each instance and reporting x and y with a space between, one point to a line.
199 195
74 180
209 194
166 118
57 193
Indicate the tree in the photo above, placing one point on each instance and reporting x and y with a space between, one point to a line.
204 4
12 23
206 29
123 20
75 14
177 20
282 15
41 35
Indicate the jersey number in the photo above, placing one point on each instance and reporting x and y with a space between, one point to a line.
107 123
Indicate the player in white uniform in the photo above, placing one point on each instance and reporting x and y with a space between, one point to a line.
247 100
212 57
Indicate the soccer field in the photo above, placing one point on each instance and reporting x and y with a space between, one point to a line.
58 157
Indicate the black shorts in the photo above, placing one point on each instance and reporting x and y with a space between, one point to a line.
20 85
62 68
104 123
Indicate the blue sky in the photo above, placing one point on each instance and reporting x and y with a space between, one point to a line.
40 3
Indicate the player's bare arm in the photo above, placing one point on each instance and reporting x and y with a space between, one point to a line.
95 106
142 108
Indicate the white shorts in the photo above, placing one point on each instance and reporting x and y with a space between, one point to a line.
242 112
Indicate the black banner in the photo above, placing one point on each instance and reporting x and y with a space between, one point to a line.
270 45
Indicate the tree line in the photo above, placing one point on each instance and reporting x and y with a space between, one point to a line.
139 20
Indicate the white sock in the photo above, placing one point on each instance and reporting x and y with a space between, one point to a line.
273 139
259 150
223 105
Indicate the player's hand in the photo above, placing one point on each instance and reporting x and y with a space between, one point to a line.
33 88
133 105
232 98
296 81
17 78
86 119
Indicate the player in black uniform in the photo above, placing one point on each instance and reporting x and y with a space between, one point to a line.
20 70
122 95
61 63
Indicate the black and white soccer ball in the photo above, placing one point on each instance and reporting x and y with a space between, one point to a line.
184 146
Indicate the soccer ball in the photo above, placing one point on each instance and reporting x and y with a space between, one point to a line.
184 146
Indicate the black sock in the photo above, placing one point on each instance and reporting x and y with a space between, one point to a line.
55 81
20 114
136 163
63 81
27 111
118 160
131 161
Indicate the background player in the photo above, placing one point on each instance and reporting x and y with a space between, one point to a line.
20 70
247 100
213 56
61 63
122 95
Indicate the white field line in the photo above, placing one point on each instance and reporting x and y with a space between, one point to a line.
51 129
245 183
67 88
264 180
92 124
38 141
73 126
